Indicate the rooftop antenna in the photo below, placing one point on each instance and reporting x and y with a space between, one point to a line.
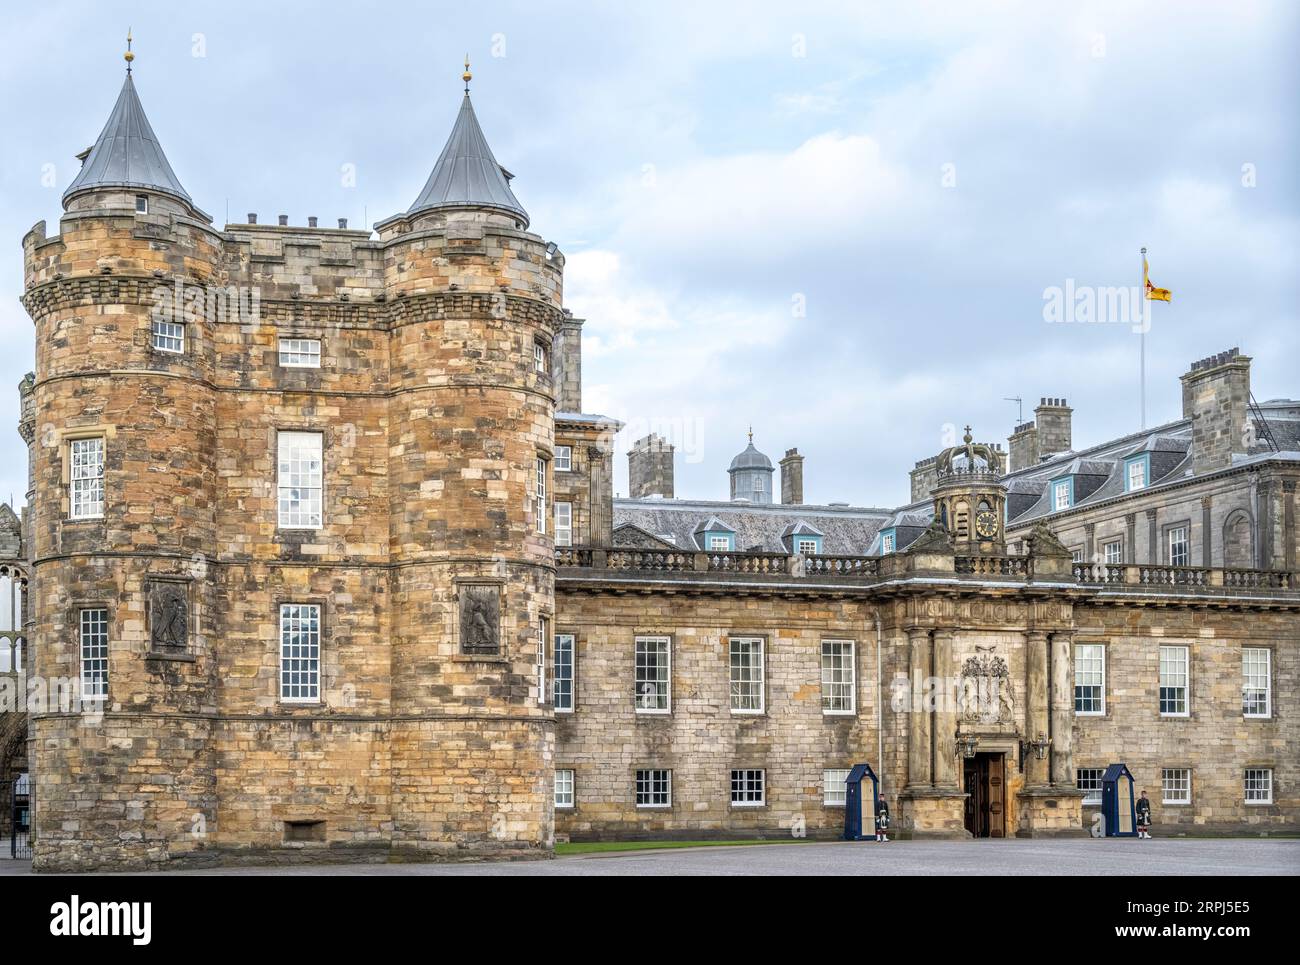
1020 407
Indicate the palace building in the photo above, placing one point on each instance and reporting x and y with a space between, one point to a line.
326 552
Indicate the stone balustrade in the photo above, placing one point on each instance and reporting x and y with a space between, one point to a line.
1011 569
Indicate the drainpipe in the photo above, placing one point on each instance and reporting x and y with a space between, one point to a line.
880 702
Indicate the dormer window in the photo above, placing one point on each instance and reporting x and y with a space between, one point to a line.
806 546
720 543
888 542
1135 473
142 204
1062 494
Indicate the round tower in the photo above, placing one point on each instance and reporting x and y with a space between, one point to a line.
474 310
123 473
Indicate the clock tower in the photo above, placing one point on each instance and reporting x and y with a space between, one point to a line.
970 499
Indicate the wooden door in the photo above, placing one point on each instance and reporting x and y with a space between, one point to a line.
995 781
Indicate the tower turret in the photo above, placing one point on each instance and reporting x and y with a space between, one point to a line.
751 475
970 498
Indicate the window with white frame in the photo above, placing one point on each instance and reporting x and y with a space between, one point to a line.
168 336
1256 682
1174 663
564 787
1175 785
746 675
747 788
838 691
540 362
1061 495
300 353
653 683
887 543
142 204
1113 552
758 484
564 524
654 788
1077 554
1258 785
1178 546
808 547
300 653
301 479
562 686
94 653
1088 780
835 786
543 634
86 478
564 458
1137 474
540 493
722 543
1089 678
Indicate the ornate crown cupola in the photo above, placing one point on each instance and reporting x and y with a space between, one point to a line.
127 162
970 499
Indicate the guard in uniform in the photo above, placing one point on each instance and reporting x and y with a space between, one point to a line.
1144 816
882 820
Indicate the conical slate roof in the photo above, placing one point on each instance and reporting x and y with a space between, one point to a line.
127 154
751 458
467 175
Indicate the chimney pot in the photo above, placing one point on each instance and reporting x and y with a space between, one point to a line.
252 217
343 222
311 221
284 219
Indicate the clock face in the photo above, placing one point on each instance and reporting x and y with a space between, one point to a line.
986 524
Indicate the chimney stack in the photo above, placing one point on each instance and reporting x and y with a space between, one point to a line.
567 356
343 222
311 221
1053 419
1216 397
1023 446
925 477
283 219
252 217
792 478
650 468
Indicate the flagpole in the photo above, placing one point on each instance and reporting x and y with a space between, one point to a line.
1142 341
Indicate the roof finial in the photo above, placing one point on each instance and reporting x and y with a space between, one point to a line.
751 435
128 56
467 76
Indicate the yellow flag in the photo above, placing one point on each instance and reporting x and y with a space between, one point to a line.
1153 293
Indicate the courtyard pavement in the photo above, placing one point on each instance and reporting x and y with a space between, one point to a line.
1079 856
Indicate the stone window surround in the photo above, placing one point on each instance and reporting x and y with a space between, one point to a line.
299 335
843 790
303 599
1189 646
567 464
1165 530
74 621
1081 641
1191 782
63 446
852 710
573 789
560 631
636 697
1272 785
1272 665
763 639
326 447
732 803
671 805
1112 541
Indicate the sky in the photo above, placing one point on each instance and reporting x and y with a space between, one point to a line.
837 223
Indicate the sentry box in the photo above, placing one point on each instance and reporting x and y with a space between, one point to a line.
861 791
1117 808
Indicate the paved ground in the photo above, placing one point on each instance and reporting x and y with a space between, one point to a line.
1083 856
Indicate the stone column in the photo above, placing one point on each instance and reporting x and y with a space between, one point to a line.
1062 710
1153 540
1090 543
1036 720
1130 538
945 714
919 774
1288 524
1207 532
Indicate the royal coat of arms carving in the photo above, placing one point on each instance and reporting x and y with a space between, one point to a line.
986 694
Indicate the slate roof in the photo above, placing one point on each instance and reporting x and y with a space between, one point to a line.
845 530
466 175
750 458
127 154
